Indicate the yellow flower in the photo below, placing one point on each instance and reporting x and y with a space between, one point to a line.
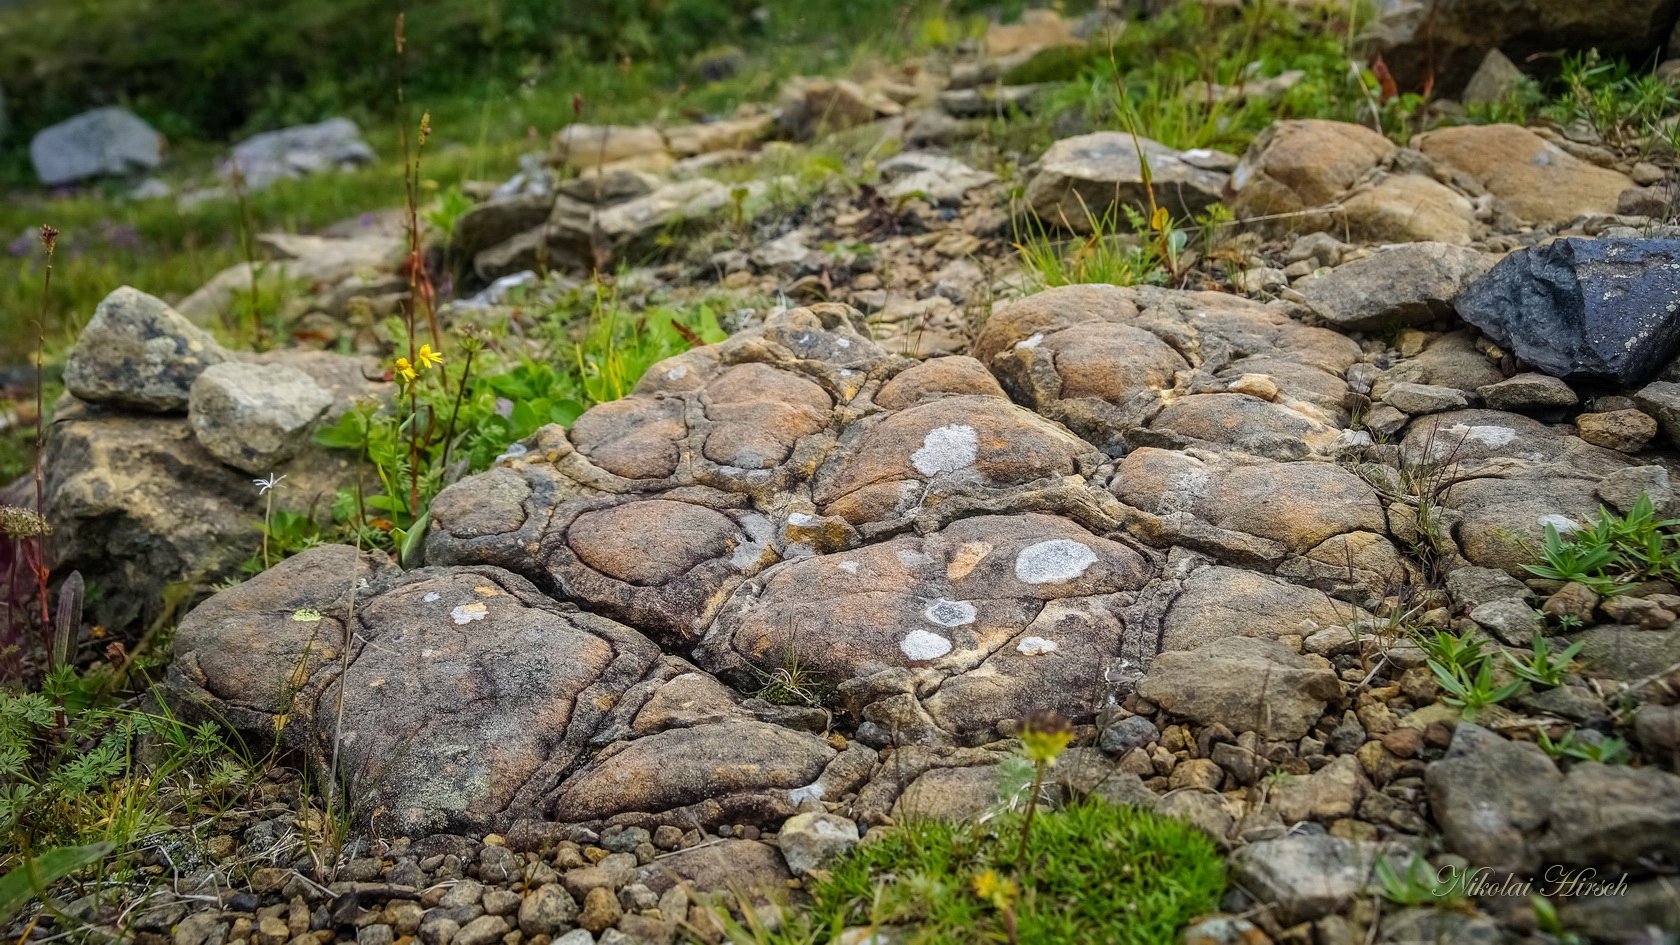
404 369
1044 736
427 357
1160 220
998 891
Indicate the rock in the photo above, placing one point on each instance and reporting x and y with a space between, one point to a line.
547 910
1528 392
1658 729
1330 793
294 258
1637 612
299 151
1036 30
1494 81
1623 489
600 910
1661 400
749 867
1409 207
1470 587
1574 600
1654 202
1509 619
934 177
1128 733
711 137
992 101
484 930
139 353
1397 287
1628 654
1089 177
1299 164
1417 399
1422 43
1614 817
1626 431
1530 178
1625 916
1491 797
594 146
103 142
498 221
254 416
809 841
1245 684
1590 309
1305 876
809 107
1196 774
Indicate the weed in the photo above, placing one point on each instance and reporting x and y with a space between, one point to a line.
1543 667
1472 691
1100 873
1624 107
1607 751
1418 886
1102 256
1044 736
1614 551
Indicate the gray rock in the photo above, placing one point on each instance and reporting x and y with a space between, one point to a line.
498 221
809 841
1409 284
1614 817
1601 310
1128 733
1305 876
1510 619
576 937
1418 399
1528 392
298 152
1658 729
137 352
482 931
1495 79
937 178
254 416
1629 916
1092 175
1661 399
1246 684
1491 796
105 141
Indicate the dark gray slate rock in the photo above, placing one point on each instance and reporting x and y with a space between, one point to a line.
1602 310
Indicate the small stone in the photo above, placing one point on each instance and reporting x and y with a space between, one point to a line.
626 840
1404 742
547 910
1623 489
501 901
1128 733
201 928
1637 612
1509 619
482 931
1626 431
1528 392
809 840
467 892
1491 796
600 910
1417 399
1385 421
1658 728
667 837
1197 774
377 934
1471 586
1332 792
1573 600
1305 876
1646 174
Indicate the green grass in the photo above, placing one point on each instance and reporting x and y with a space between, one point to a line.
1094 872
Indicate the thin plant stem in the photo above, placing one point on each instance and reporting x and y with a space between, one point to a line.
49 240
1032 808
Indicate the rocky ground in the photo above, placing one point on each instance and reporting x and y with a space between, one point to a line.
805 582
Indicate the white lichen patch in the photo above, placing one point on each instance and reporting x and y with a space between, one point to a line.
307 615
677 373
1485 434
810 792
1053 561
922 645
946 449
1033 341
913 559
432 597
467 613
1563 523
1035 646
949 613
850 567
801 519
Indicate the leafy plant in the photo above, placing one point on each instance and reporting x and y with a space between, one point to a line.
1615 550
1417 886
1100 872
1544 667
1581 559
1623 106
1607 751
1472 691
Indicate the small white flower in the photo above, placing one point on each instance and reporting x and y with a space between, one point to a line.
263 485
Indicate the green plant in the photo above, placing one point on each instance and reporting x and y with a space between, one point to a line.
1613 551
1623 106
1472 691
1546 919
1543 667
1100 872
1044 736
71 772
1103 255
1418 886
1607 751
